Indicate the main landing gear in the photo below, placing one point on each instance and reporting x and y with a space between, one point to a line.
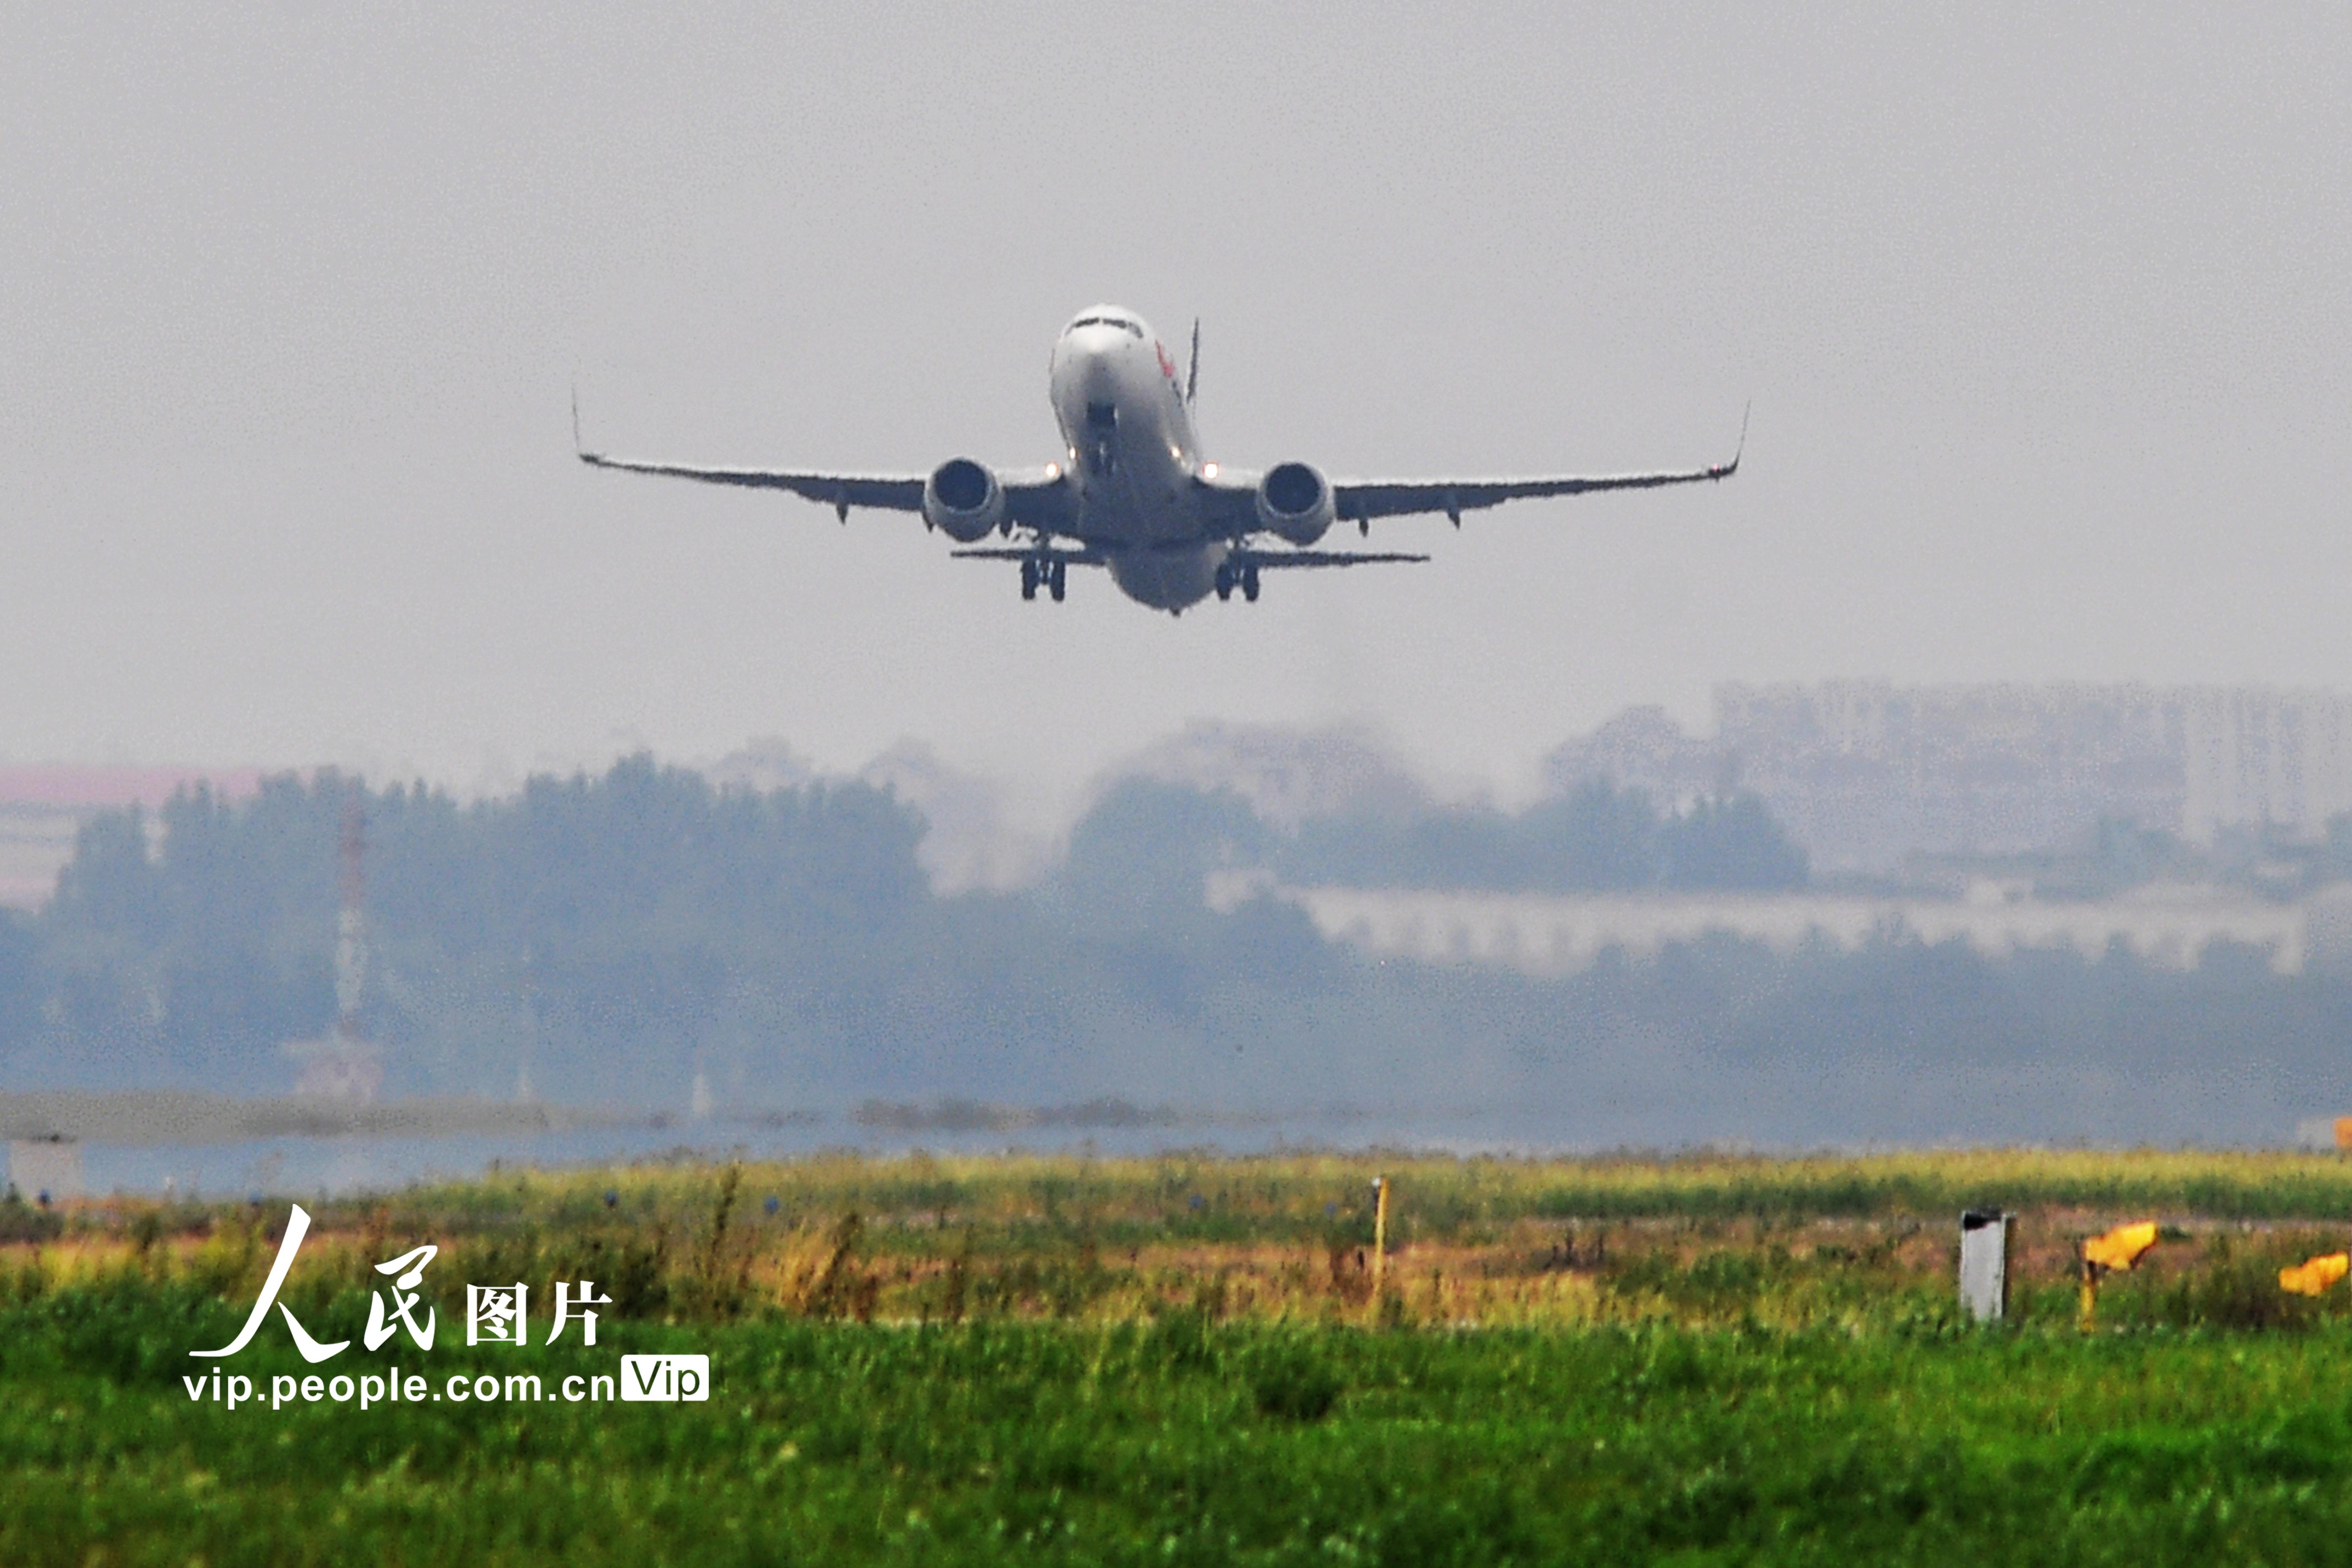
1054 574
1245 577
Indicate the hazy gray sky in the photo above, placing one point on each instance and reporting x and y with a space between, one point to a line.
2044 316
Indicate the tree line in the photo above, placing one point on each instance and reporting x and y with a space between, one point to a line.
605 939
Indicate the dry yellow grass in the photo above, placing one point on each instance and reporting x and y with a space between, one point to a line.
1477 1241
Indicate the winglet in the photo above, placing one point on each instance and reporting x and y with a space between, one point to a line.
579 447
1193 380
1731 467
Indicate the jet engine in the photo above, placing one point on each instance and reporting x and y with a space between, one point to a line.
1294 501
962 499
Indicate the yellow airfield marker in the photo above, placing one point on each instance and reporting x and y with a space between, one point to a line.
2315 1275
2120 1249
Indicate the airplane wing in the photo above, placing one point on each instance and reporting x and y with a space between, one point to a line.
1363 500
1033 498
1231 498
885 492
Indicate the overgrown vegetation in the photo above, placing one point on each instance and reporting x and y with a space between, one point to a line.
1188 1360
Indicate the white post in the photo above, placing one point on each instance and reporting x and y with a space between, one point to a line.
1985 1241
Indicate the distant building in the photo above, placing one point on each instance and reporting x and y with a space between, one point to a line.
1865 773
1546 935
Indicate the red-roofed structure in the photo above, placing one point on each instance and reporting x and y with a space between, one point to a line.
42 804
96 788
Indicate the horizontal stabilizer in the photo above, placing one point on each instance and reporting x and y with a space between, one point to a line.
1010 552
1267 560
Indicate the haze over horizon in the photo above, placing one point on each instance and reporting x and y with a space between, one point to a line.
2042 317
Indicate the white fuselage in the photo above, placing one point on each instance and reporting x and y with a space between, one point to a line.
1133 458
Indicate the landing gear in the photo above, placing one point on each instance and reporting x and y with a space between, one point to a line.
1244 577
1225 582
1249 582
1054 576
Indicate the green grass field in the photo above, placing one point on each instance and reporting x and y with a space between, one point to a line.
1185 1359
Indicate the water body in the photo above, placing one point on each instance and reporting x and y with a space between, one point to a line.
308 1164
200 1146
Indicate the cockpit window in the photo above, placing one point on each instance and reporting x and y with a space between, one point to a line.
1131 329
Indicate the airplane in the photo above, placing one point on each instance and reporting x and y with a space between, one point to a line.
1136 497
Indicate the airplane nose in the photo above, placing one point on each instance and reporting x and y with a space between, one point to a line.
1087 381
1095 376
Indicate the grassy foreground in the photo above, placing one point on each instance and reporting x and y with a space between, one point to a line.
1185 1361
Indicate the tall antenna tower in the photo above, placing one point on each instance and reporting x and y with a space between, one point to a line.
345 1065
351 928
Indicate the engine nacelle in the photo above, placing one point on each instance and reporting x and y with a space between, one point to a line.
962 499
1295 500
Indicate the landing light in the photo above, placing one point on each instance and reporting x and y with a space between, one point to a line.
1052 470
1208 471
